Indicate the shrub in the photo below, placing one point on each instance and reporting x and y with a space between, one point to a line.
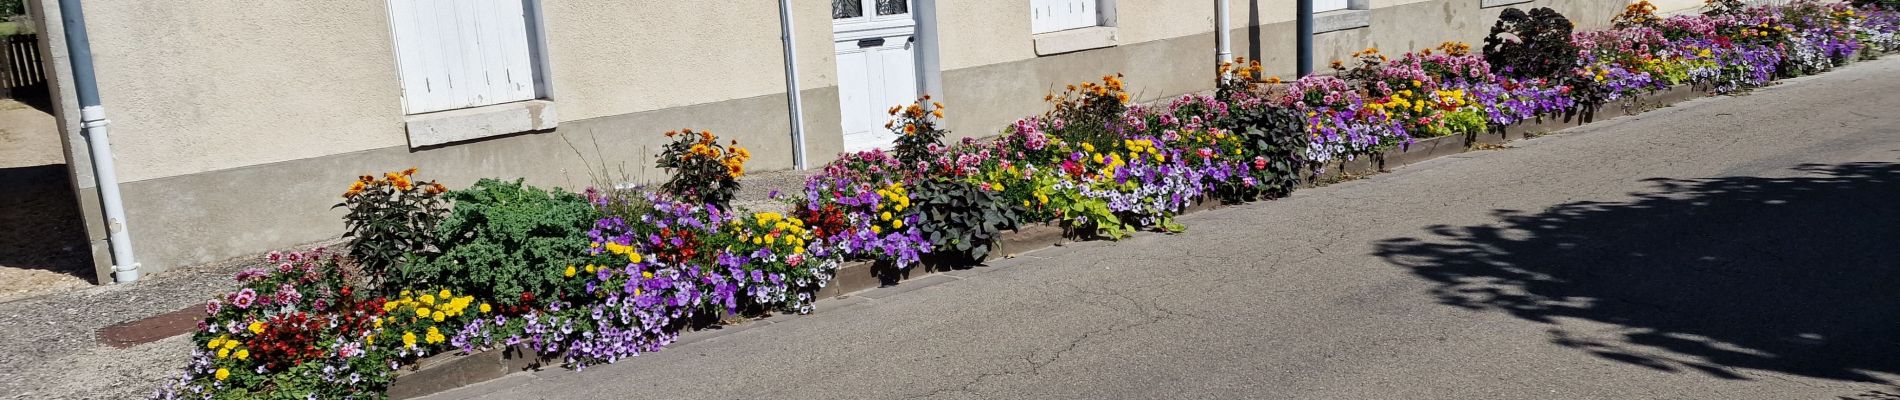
702 170
388 219
963 219
917 130
1275 140
505 240
1531 45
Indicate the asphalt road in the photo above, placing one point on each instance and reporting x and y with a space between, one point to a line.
1724 248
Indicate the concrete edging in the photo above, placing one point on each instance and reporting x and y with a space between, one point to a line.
442 372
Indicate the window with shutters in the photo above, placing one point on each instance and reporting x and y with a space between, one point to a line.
1060 15
455 54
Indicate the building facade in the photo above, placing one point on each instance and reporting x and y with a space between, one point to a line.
236 125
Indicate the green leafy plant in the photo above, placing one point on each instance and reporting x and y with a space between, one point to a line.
963 220
1274 141
390 218
504 239
1531 45
917 130
702 170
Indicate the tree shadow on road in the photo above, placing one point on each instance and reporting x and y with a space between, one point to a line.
1792 275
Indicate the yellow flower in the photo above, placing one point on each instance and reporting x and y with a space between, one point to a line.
874 229
409 339
590 268
885 216
646 274
422 312
570 271
427 299
445 294
391 306
633 257
223 374
438 316
244 354
213 344
486 308
224 353
229 344
257 327
897 224
377 323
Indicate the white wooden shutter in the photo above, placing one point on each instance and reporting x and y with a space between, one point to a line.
1328 5
1056 15
461 53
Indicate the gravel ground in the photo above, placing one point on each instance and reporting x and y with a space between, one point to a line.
48 344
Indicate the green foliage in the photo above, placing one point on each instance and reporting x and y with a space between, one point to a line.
702 171
389 219
962 219
1274 140
504 239
1531 45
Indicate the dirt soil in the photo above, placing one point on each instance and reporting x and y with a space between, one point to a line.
42 242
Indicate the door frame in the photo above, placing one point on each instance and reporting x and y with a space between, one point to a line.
921 20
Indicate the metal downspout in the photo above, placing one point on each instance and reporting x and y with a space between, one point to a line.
94 126
792 94
1305 34
1224 34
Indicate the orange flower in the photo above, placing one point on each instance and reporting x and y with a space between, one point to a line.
671 133
937 113
410 171
403 183
435 188
910 129
355 189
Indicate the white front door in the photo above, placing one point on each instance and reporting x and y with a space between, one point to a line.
877 67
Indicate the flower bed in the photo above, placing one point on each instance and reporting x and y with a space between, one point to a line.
580 279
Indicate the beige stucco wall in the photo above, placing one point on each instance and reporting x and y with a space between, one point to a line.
194 86
983 32
204 85
613 58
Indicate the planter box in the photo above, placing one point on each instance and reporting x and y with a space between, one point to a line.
443 372
446 371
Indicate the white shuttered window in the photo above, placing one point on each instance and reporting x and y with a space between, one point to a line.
1328 5
1058 15
462 53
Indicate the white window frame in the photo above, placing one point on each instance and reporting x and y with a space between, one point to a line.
1320 6
501 55
1049 16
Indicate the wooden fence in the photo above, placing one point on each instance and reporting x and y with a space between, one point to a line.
20 67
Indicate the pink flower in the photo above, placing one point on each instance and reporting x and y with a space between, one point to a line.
244 298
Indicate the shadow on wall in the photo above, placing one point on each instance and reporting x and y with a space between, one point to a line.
1791 275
